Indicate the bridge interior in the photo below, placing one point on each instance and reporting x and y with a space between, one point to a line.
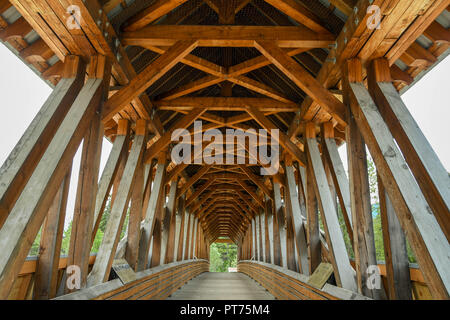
164 81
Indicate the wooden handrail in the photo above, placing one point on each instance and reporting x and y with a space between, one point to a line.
289 285
155 283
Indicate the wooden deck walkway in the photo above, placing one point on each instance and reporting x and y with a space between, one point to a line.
222 286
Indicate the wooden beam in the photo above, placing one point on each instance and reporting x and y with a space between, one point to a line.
20 164
395 251
227 36
282 138
422 229
298 227
26 217
118 152
152 13
149 221
256 180
166 139
300 14
147 77
430 174
107 250
226 104
303 80
46 275
343 271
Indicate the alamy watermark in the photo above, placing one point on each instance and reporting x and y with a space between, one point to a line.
193 151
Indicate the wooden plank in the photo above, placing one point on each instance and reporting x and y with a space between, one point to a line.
146 78
149 221
46 275
269 217
298 226
395 251
227 36
303 80
430 174
19 166
343 271
152 13
423 231
26 217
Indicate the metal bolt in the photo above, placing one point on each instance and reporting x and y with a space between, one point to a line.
356 21
332 60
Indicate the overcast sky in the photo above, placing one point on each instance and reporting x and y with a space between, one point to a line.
22 93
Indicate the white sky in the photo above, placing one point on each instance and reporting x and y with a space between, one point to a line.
22 93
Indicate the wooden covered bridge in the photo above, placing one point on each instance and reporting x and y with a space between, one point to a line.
146 74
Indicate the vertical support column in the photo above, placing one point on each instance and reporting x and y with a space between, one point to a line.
363 234
187 242
179 228
395 252
107 250
269 225
158 229
46 275
117 156
257 238
168 235
254 249
281 224
298 227
263 228
343 271
194 238
314 244
340 180
149 221
83 217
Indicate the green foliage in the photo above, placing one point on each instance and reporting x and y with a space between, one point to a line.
222 256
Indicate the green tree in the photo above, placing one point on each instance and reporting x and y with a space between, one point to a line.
222 256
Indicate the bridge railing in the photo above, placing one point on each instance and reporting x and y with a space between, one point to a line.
156 283
285 284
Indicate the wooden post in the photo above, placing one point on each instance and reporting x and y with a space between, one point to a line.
180 229
118 154
46 275
270 257
395 252
340 180
169 225
23 159
135 211
312 217
343 271
157 230
298 226
187 236
149 221
263 228
428 170
281 225
106 252
26 217
422 228
363 234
